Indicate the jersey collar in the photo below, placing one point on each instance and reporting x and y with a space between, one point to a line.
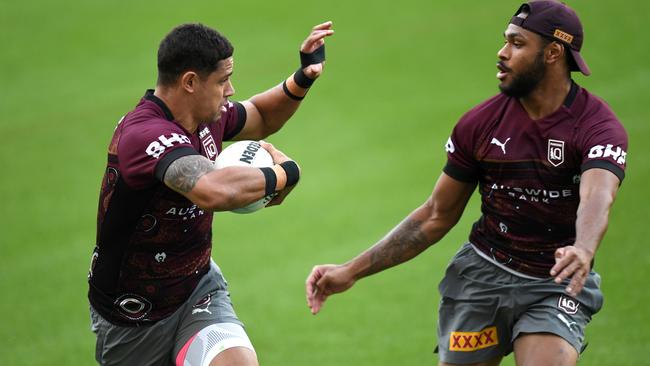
148 95
571 97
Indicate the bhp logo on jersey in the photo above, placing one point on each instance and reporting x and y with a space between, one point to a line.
472 341
156 148
600 151
449 146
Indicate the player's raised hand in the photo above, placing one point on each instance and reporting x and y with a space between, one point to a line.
312 47
572 262
325 280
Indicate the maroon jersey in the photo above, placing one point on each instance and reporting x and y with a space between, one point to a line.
153 244
528 173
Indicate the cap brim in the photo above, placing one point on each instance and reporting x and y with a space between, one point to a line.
582 65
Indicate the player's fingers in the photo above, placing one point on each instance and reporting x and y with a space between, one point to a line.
562 259
326 25
279 198
577 283
271 149
311 301
309 286
267 145
315 40
315 307
567 272
317 300
559 266
313 277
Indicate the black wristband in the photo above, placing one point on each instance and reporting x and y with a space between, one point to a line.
293 173
302 80
315 57
290 94
271 181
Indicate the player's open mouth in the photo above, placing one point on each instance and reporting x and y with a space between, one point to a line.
503 70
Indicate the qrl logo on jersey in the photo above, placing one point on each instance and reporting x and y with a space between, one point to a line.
555 152
600 151
156 148
208 143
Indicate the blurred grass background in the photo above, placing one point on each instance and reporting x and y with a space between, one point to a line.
369 138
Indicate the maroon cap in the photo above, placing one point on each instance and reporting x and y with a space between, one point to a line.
554 20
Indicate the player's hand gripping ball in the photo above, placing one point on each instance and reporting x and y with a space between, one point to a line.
246 153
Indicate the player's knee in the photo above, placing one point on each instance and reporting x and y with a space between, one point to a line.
237 356
493 362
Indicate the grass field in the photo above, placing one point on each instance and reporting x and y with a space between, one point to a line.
369 137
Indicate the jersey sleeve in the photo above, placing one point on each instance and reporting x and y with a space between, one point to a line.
603 144
233 120
461 162
146 150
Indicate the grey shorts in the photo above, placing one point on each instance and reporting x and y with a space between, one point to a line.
484 308
159 343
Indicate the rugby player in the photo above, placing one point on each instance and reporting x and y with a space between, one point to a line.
548 158
156 297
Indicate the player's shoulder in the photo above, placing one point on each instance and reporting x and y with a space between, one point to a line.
484 112
147 118
148 128
595 112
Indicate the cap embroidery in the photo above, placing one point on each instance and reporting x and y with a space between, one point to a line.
564 36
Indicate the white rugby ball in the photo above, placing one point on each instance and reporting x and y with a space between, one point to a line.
246 153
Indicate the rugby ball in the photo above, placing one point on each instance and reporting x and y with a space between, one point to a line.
246 153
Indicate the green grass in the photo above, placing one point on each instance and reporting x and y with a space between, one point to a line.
369 137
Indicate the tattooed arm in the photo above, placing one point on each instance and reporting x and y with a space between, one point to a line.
195 177
422 228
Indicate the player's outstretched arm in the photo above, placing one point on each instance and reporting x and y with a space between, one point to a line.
195 177
268 111
425 226
598 188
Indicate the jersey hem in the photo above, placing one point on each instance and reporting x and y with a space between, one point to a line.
505 268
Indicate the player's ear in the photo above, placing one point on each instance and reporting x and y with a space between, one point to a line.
554 52
188 81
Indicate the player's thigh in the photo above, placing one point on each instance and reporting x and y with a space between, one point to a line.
237 356
117 345
544 349
493 362
558 319
474 320
218 344
210 330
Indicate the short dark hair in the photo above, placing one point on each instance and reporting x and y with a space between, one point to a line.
191 47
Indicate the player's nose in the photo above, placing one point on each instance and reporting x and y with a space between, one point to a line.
502 54
230 90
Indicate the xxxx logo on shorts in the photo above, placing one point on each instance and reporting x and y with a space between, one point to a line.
472 341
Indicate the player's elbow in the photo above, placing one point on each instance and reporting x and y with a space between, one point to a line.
441 221
265 130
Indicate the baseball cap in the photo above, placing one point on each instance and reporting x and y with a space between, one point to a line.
554 20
